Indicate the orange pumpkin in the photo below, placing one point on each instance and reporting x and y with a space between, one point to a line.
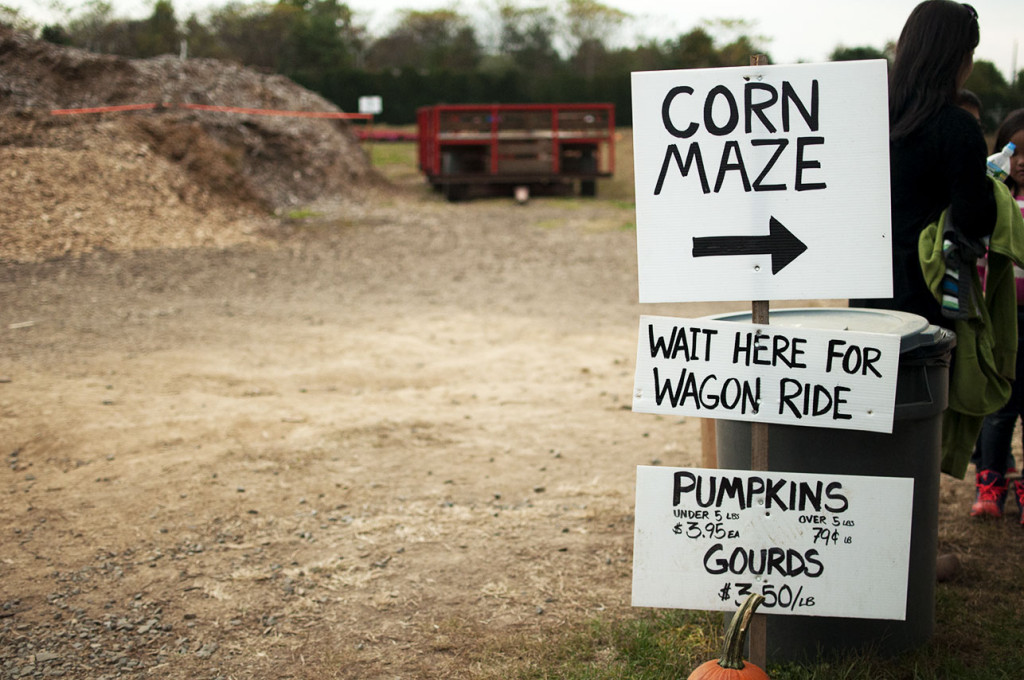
732 666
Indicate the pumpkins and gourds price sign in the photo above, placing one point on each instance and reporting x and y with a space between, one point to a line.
811 545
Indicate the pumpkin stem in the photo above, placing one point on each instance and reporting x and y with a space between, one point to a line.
736 633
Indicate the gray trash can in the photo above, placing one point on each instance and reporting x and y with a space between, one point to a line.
912 450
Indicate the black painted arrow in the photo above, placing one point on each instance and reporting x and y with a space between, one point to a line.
779 243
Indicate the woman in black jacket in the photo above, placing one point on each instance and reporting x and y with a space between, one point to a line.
936 149
937 156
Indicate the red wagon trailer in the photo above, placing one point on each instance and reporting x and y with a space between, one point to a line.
467 149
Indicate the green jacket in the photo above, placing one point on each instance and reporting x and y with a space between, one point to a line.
986 342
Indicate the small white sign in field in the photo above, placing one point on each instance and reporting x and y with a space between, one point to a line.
762 182
372 105
769 374
813 545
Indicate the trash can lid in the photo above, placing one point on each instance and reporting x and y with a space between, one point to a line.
915 332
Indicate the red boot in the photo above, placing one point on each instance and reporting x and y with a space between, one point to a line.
1018 493
991 495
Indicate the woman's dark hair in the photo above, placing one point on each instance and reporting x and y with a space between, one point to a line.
936 42
1012 124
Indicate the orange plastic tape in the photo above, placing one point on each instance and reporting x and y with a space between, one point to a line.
104 109
271 112
218 109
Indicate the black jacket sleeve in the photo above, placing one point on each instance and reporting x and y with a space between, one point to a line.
972 203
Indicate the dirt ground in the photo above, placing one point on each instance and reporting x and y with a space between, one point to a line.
378 436
359 448
378 443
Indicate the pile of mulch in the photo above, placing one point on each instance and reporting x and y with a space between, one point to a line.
164 177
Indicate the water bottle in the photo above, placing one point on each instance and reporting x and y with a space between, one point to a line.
998 165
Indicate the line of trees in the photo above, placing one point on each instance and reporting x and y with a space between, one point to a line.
568 52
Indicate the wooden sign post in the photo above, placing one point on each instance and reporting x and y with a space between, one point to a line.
758 632
372 105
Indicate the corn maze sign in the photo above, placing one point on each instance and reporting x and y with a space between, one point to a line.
762 182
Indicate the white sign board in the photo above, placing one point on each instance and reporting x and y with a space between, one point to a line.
768 374
763 182
813 545
372 105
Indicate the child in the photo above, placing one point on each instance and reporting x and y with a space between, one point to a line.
996 438
968 101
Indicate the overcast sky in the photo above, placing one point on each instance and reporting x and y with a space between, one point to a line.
799 30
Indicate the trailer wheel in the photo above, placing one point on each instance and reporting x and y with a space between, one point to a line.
588 188
456 192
